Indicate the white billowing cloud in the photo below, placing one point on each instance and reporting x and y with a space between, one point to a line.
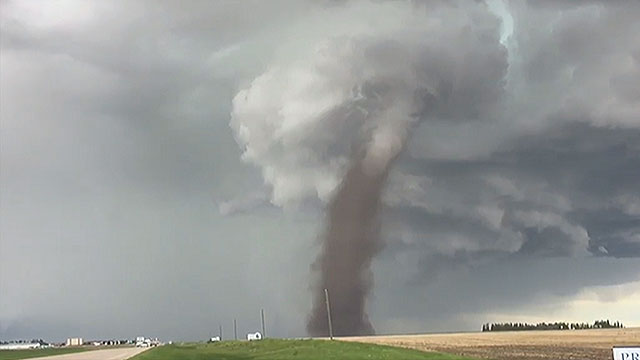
299 121
305 117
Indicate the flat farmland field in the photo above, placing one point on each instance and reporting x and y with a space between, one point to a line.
517 345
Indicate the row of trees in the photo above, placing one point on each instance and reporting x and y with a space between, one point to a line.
599 324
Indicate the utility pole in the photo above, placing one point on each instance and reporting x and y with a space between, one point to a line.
220 328
264 332
326 299
235 329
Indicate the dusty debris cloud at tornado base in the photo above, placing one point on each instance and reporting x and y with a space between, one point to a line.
350 243
329 121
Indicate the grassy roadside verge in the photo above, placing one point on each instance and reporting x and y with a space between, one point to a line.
275 349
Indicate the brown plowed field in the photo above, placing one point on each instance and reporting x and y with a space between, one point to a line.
518 345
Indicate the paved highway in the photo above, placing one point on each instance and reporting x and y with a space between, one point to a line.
107 354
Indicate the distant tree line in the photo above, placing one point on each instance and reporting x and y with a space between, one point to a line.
599 324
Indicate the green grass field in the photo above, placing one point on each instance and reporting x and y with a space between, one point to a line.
272 349
28 354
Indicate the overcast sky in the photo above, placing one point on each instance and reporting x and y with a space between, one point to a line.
165 165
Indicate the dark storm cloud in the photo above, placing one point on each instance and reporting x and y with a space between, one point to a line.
565 183
613 231
565 190
119 166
